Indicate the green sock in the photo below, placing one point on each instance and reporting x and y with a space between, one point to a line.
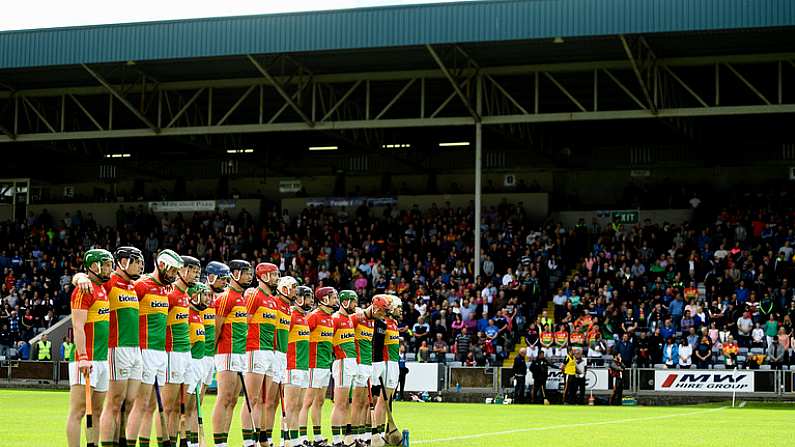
143 442
286 435
106 443
173 440
293 434
316 432
265 436
220 438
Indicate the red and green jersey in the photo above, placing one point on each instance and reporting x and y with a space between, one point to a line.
321 339
298 342
282 333
344 338
392 341
561 338
231 306
577 338
97 322
123 302
546 339
153 312
178 326
262 318
197 340
208 318
363 330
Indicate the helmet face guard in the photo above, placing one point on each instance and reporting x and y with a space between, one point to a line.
348 300
268 273
217 276
130 261
199 296
103 260
191 270
327 297
304 298
287 287
244 271
168 265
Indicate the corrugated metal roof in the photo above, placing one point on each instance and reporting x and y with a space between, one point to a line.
383 27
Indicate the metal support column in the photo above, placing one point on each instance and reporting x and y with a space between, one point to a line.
478 166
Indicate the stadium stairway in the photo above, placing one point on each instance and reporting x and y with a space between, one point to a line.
522 343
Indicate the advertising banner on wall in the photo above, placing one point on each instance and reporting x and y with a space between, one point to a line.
596 379
186 206
703 381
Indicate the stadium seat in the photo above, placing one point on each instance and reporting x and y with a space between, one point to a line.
757 351
449 357
720 367
455 364
743 351
659 366
411 357
766 367
741 359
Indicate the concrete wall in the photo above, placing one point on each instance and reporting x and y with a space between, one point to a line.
105 213
536 204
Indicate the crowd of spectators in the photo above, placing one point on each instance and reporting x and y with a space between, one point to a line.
425 257
717 295
659 294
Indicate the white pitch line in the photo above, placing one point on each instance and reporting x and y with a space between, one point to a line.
555 427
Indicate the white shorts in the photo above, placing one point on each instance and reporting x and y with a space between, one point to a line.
177 367
363 375
344 371
99 375
548 352
259 362
278 370
392 375
194 375
230 362
125 363
319 377
208 370
379 370
155 363
298 378
561 352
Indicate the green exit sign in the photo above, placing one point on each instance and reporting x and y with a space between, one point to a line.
626 216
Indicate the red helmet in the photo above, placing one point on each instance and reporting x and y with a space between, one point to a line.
264 268
382 301
323 292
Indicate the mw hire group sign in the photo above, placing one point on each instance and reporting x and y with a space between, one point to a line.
703 381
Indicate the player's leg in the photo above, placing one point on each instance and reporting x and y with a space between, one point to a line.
145 437
340 413
171 393
270 402
224 405
303 414
293 399
139 413
77 409
317 414
253 378
117 391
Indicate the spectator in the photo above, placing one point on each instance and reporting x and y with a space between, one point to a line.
703 353
745 326
775 354
627 349
421 331
440 349
730 351
424 353
23 350
462 343
670 354
758 337
617 376
643 357
685 355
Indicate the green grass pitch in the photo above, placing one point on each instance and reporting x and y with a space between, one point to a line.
37 418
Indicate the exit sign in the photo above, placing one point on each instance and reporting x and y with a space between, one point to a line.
626 216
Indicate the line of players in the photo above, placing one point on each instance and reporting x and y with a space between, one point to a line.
167 329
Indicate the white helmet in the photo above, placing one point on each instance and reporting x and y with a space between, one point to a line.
286 286
396 303
170 259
